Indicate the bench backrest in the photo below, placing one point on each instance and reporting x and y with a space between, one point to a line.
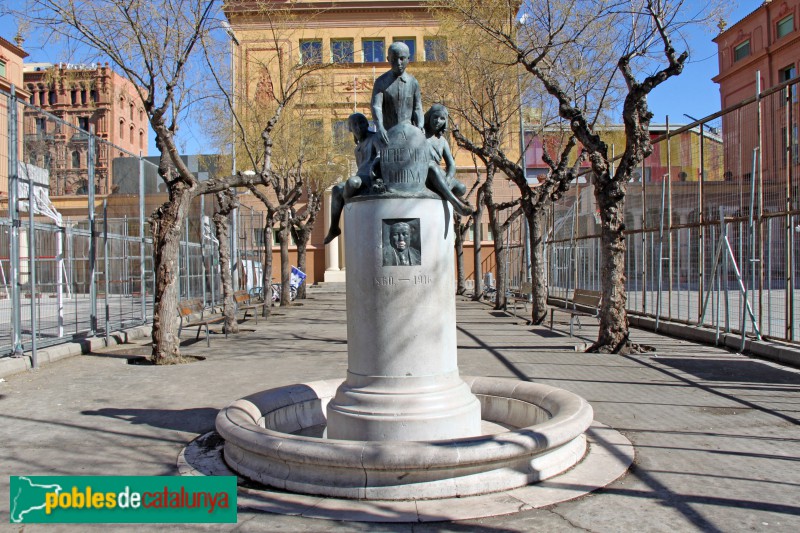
190 307
526 287
241 297
586 298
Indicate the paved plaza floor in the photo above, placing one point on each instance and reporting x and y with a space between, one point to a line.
716 434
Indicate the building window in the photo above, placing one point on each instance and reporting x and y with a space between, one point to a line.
131 112
741 51
121 129
83 96
131 135
340 132
373 50
412 46
74 96
76 159
435 50
786 74
311 52
41 125
141 115
52 97
2 69
342 50
93 95
785 26
141 140
83 123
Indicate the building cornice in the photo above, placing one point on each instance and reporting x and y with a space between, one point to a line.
255 7
14 48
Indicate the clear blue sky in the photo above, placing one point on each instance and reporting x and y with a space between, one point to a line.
692 92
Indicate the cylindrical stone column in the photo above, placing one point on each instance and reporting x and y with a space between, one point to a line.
402 380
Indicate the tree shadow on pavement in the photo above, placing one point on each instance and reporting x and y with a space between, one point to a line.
195 420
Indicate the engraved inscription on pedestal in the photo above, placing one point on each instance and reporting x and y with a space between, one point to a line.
401 242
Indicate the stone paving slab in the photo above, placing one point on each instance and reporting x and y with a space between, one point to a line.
716 434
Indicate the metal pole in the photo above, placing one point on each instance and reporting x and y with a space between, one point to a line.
92 235
701 254
751 243
669 223
789 312
142 284
105 265
769 279
186 247
13 215
32 274
234 262
661 251
524 165
760 212
644 241
202 246
60 279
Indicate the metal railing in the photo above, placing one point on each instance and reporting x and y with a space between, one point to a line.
712 224
83 265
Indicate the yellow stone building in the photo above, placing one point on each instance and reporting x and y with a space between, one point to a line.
348 42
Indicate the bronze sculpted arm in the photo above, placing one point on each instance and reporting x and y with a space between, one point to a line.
418 117
377 112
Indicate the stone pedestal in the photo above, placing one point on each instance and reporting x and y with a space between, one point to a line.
402 380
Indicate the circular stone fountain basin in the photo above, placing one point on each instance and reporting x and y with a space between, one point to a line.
264 441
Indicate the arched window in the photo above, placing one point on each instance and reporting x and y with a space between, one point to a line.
121 129
141 140
76 159
131 111
122 102
131 135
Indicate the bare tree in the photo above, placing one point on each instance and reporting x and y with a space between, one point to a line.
269 125
226 203
153 45
632 39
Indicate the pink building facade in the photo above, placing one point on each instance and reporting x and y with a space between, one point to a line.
765 41
764 45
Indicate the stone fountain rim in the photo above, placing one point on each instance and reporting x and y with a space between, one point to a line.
571 416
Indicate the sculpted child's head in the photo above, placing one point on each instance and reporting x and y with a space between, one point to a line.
399 55
359 125
436 119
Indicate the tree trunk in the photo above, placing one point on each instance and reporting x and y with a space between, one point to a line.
266 271
286 267
301 264
537 225
221 228
500 250
613 334
167 224
461 287
477 216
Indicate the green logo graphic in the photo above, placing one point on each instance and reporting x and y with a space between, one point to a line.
122 499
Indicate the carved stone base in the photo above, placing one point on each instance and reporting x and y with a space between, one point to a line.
402 381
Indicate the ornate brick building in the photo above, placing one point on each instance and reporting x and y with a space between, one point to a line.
83 97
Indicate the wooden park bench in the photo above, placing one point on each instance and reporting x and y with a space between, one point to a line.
247 302
193 313
583 303
523 295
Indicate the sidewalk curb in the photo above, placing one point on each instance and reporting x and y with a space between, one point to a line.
773 351
16 365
